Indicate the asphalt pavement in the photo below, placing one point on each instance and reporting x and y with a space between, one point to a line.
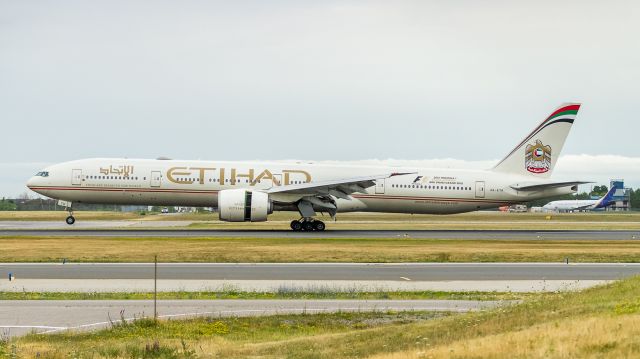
324 271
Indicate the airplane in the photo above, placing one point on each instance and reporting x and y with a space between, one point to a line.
581 204
250 191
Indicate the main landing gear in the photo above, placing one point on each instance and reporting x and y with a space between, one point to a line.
307 224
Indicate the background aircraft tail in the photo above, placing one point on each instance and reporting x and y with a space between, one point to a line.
607 198
538 153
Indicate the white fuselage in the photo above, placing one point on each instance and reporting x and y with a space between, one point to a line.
570 205
197 183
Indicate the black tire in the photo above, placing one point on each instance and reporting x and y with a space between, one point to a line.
319 226
70 220
307 226
296 226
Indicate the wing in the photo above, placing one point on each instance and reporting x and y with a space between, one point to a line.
340 188
543 186
586 206
322 194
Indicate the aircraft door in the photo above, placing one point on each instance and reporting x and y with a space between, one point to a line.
156 177
380 186
479 189
76 177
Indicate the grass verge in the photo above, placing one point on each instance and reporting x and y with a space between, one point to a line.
595 323
277 250
283 294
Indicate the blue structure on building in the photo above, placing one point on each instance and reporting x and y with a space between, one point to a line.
621 198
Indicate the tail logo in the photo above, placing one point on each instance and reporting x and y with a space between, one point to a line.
537 158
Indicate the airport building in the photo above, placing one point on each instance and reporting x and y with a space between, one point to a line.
621 198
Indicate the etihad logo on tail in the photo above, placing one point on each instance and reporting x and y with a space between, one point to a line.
537 157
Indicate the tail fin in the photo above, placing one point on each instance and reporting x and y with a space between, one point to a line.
537 154
607 198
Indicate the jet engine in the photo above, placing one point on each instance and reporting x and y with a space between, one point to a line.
241 205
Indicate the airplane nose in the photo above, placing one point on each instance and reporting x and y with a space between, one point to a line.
31 182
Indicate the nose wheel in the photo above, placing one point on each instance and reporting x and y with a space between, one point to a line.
70 219
307 224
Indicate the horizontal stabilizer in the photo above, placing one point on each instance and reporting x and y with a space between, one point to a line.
530 186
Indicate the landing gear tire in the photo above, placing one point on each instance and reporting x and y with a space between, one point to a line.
318 226
70 220
296 226
307 226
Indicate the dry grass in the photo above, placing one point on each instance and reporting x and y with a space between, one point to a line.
96 249
602 336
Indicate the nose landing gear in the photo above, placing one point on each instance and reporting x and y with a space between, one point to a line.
70 219
307 224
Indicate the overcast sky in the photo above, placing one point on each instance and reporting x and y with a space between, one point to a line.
317 80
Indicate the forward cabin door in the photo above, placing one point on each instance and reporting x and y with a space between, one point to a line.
479 189
76 177
380 186
155 178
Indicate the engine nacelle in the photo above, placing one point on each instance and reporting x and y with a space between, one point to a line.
241 205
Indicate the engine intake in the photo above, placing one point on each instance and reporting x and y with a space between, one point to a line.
241 205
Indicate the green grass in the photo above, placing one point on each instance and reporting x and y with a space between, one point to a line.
596 323
282 294
178 338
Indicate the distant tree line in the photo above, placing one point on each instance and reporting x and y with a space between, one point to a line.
7 205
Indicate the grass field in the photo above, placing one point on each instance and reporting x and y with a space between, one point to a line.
601 322
232 250
281 294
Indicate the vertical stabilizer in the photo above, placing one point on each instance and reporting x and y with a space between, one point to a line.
537 154
607 199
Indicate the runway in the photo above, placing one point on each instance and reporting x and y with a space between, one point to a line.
21 317
347 234
310 277
324 271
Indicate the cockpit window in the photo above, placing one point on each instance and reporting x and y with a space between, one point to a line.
42 174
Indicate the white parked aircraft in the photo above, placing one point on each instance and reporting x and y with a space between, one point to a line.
249 191
581 204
